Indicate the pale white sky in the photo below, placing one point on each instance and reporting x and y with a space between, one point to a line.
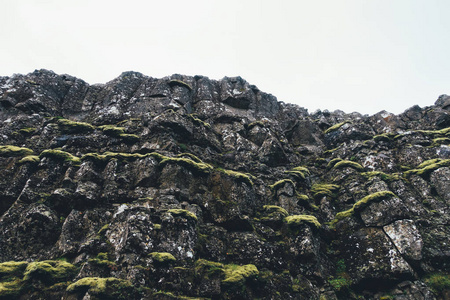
353 55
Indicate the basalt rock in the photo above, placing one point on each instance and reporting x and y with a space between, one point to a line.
178 187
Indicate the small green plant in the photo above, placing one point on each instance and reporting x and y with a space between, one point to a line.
342 280
438 282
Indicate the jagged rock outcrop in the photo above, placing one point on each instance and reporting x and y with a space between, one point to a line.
179 187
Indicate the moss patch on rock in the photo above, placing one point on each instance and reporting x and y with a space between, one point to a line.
163 257
427 167
348 164
235 274
50 271
238 175
30 159
336 127
320 190
300 172
361 204
102 287
60 155
14 151
68 126
297 220
383 176
182 213
189 163
280 184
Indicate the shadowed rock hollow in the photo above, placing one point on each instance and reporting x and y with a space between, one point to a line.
185 187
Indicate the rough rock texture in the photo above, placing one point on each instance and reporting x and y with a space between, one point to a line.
145 188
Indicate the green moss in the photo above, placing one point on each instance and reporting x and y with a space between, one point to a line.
273 211
11 289
439 282
235 274
385 177
162 257
27 131
102 260
110 287
174 82
361 204
301 219
375 197
183 213
336 127
238 175
30 159
189 163
330 151
60 155
348 164
208 268
12 268
103 230
333 162
300 172
107 156
50 271
384 137
14 151
435 133
280 184
427 167
440 141
340 283
256 123
199 121
129 138
69 126
320 190
112 130
191 156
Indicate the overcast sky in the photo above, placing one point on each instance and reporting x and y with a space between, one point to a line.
353 55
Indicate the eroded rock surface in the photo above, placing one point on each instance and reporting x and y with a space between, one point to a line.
146 188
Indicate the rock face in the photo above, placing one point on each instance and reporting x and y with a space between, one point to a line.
179 187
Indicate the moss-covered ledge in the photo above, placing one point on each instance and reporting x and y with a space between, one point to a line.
361 204
14 151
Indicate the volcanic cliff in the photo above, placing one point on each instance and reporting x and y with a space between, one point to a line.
186 187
